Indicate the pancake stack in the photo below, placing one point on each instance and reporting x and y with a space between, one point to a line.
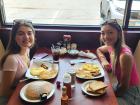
37 88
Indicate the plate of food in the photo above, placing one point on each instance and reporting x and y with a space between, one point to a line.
89 70
42 70
37 91
94 88
87 54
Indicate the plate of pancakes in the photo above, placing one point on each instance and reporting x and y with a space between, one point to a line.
33 91
94 88
90 70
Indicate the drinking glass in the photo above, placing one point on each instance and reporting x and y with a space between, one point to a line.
73 77
55 53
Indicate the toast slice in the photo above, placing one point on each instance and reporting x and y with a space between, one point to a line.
101 91
96 87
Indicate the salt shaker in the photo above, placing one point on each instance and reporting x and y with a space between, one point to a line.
73 77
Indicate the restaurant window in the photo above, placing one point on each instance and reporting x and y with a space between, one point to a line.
69 12
135 13
72 12
113 9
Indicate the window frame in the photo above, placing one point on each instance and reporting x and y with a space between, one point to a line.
125 24
2 14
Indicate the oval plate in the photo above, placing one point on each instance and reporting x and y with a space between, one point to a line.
22 93
37 64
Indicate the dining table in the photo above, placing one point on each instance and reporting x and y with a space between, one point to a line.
78 96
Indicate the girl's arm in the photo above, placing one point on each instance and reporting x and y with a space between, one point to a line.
126 67
8 75
100 53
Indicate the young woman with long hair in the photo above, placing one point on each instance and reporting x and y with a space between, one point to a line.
121 62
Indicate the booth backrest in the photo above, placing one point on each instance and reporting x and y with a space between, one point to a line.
85 39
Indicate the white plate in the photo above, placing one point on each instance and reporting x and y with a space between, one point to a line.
96 62
22 93
88 55
84 89
36 63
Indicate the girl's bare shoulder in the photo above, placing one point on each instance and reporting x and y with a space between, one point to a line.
11 60
126 57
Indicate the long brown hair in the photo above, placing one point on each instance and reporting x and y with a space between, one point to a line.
120 41
13 47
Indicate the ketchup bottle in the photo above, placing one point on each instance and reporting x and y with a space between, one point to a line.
64 98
